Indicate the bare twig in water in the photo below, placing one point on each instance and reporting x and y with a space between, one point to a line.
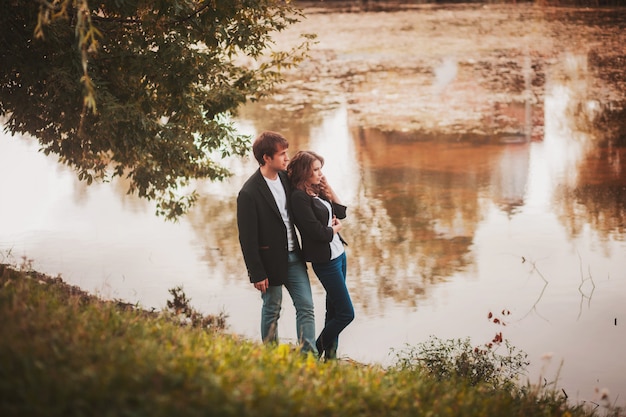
582 282
543 290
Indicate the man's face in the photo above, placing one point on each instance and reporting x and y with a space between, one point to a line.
279 161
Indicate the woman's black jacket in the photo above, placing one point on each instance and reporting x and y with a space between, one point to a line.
311 218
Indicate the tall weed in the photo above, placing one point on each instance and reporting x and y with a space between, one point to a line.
458 359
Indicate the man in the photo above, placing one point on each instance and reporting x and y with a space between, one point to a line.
270 247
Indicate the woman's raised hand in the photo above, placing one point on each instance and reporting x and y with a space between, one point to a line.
328 190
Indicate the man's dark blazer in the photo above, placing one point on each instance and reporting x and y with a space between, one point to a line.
262 232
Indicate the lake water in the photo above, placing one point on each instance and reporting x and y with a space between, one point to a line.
441 235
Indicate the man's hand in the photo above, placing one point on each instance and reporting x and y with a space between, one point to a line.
262 285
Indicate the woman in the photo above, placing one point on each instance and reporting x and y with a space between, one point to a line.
316 213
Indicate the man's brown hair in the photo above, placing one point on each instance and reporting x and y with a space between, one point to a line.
268 143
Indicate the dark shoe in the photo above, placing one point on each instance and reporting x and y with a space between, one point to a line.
320 348
331 353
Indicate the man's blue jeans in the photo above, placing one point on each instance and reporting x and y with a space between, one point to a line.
299 288
339 309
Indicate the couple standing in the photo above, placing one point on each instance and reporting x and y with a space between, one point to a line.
279 195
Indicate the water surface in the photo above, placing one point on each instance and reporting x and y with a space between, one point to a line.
441 235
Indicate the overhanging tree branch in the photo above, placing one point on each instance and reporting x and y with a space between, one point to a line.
166 86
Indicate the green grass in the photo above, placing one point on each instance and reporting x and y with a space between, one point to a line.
66 353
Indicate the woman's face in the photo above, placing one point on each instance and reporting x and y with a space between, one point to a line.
316 173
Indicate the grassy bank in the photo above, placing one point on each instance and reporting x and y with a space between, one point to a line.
66 353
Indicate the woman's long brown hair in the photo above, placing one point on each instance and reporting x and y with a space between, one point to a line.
300 169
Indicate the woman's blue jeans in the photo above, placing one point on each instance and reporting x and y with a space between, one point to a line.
339 309
299 288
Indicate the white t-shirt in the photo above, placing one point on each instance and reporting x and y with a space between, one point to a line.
336 247
276 187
